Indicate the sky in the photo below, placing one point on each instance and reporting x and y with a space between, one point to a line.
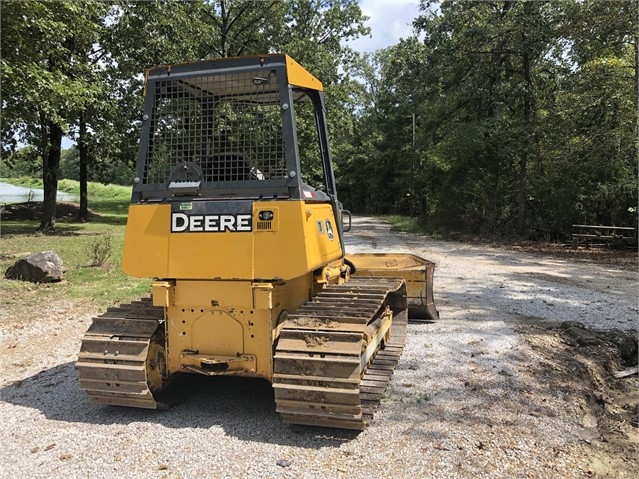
389 21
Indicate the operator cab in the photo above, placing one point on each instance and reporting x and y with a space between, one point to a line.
243 128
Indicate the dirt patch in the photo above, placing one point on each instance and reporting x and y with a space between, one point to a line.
32 210
624 258
316 341
581 364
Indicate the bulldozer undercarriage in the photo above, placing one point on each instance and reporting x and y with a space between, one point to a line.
333 360
121 360
336 354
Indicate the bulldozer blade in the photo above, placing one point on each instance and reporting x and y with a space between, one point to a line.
417 272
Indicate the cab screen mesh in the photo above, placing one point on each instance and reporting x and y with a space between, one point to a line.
230 125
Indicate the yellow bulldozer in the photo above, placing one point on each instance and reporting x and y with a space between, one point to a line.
235 217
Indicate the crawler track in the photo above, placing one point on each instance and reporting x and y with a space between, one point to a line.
122 357
329 366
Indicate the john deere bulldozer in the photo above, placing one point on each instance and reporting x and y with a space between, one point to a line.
234 215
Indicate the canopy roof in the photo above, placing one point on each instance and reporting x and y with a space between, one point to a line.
237 75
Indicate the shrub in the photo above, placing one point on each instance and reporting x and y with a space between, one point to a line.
100 250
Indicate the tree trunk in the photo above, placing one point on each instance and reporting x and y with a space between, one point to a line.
225 28
50 169
636 59
83 148
523 180
528 126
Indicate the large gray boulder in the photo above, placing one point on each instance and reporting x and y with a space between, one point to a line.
45 267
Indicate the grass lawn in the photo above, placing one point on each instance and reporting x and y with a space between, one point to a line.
91 287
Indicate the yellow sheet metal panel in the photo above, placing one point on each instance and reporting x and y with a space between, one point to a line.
280 253
219 333
163 293
231 331
213 294
291 294
263 296
322 234
213 339
299 76
298 239
299 245
228 333
146 244
151 250
227 255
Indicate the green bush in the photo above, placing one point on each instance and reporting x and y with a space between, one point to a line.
100 250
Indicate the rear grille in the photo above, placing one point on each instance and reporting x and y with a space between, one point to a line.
230 125
264 225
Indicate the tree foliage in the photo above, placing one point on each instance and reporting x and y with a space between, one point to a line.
495 117
75 68
525 117
45 81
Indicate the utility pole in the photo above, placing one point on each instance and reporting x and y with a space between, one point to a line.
413 131
412 172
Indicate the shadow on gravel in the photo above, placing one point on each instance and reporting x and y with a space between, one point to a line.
556 375
244 408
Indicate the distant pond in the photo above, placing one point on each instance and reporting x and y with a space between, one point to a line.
19 194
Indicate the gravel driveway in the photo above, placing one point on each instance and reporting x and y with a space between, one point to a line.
474 394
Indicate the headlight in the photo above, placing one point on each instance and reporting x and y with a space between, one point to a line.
266 215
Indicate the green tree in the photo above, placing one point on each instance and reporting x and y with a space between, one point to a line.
23 162
76 68
70 163
489 59
137 36
316 33
39 88
240 27
590 132
383 166
525 116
